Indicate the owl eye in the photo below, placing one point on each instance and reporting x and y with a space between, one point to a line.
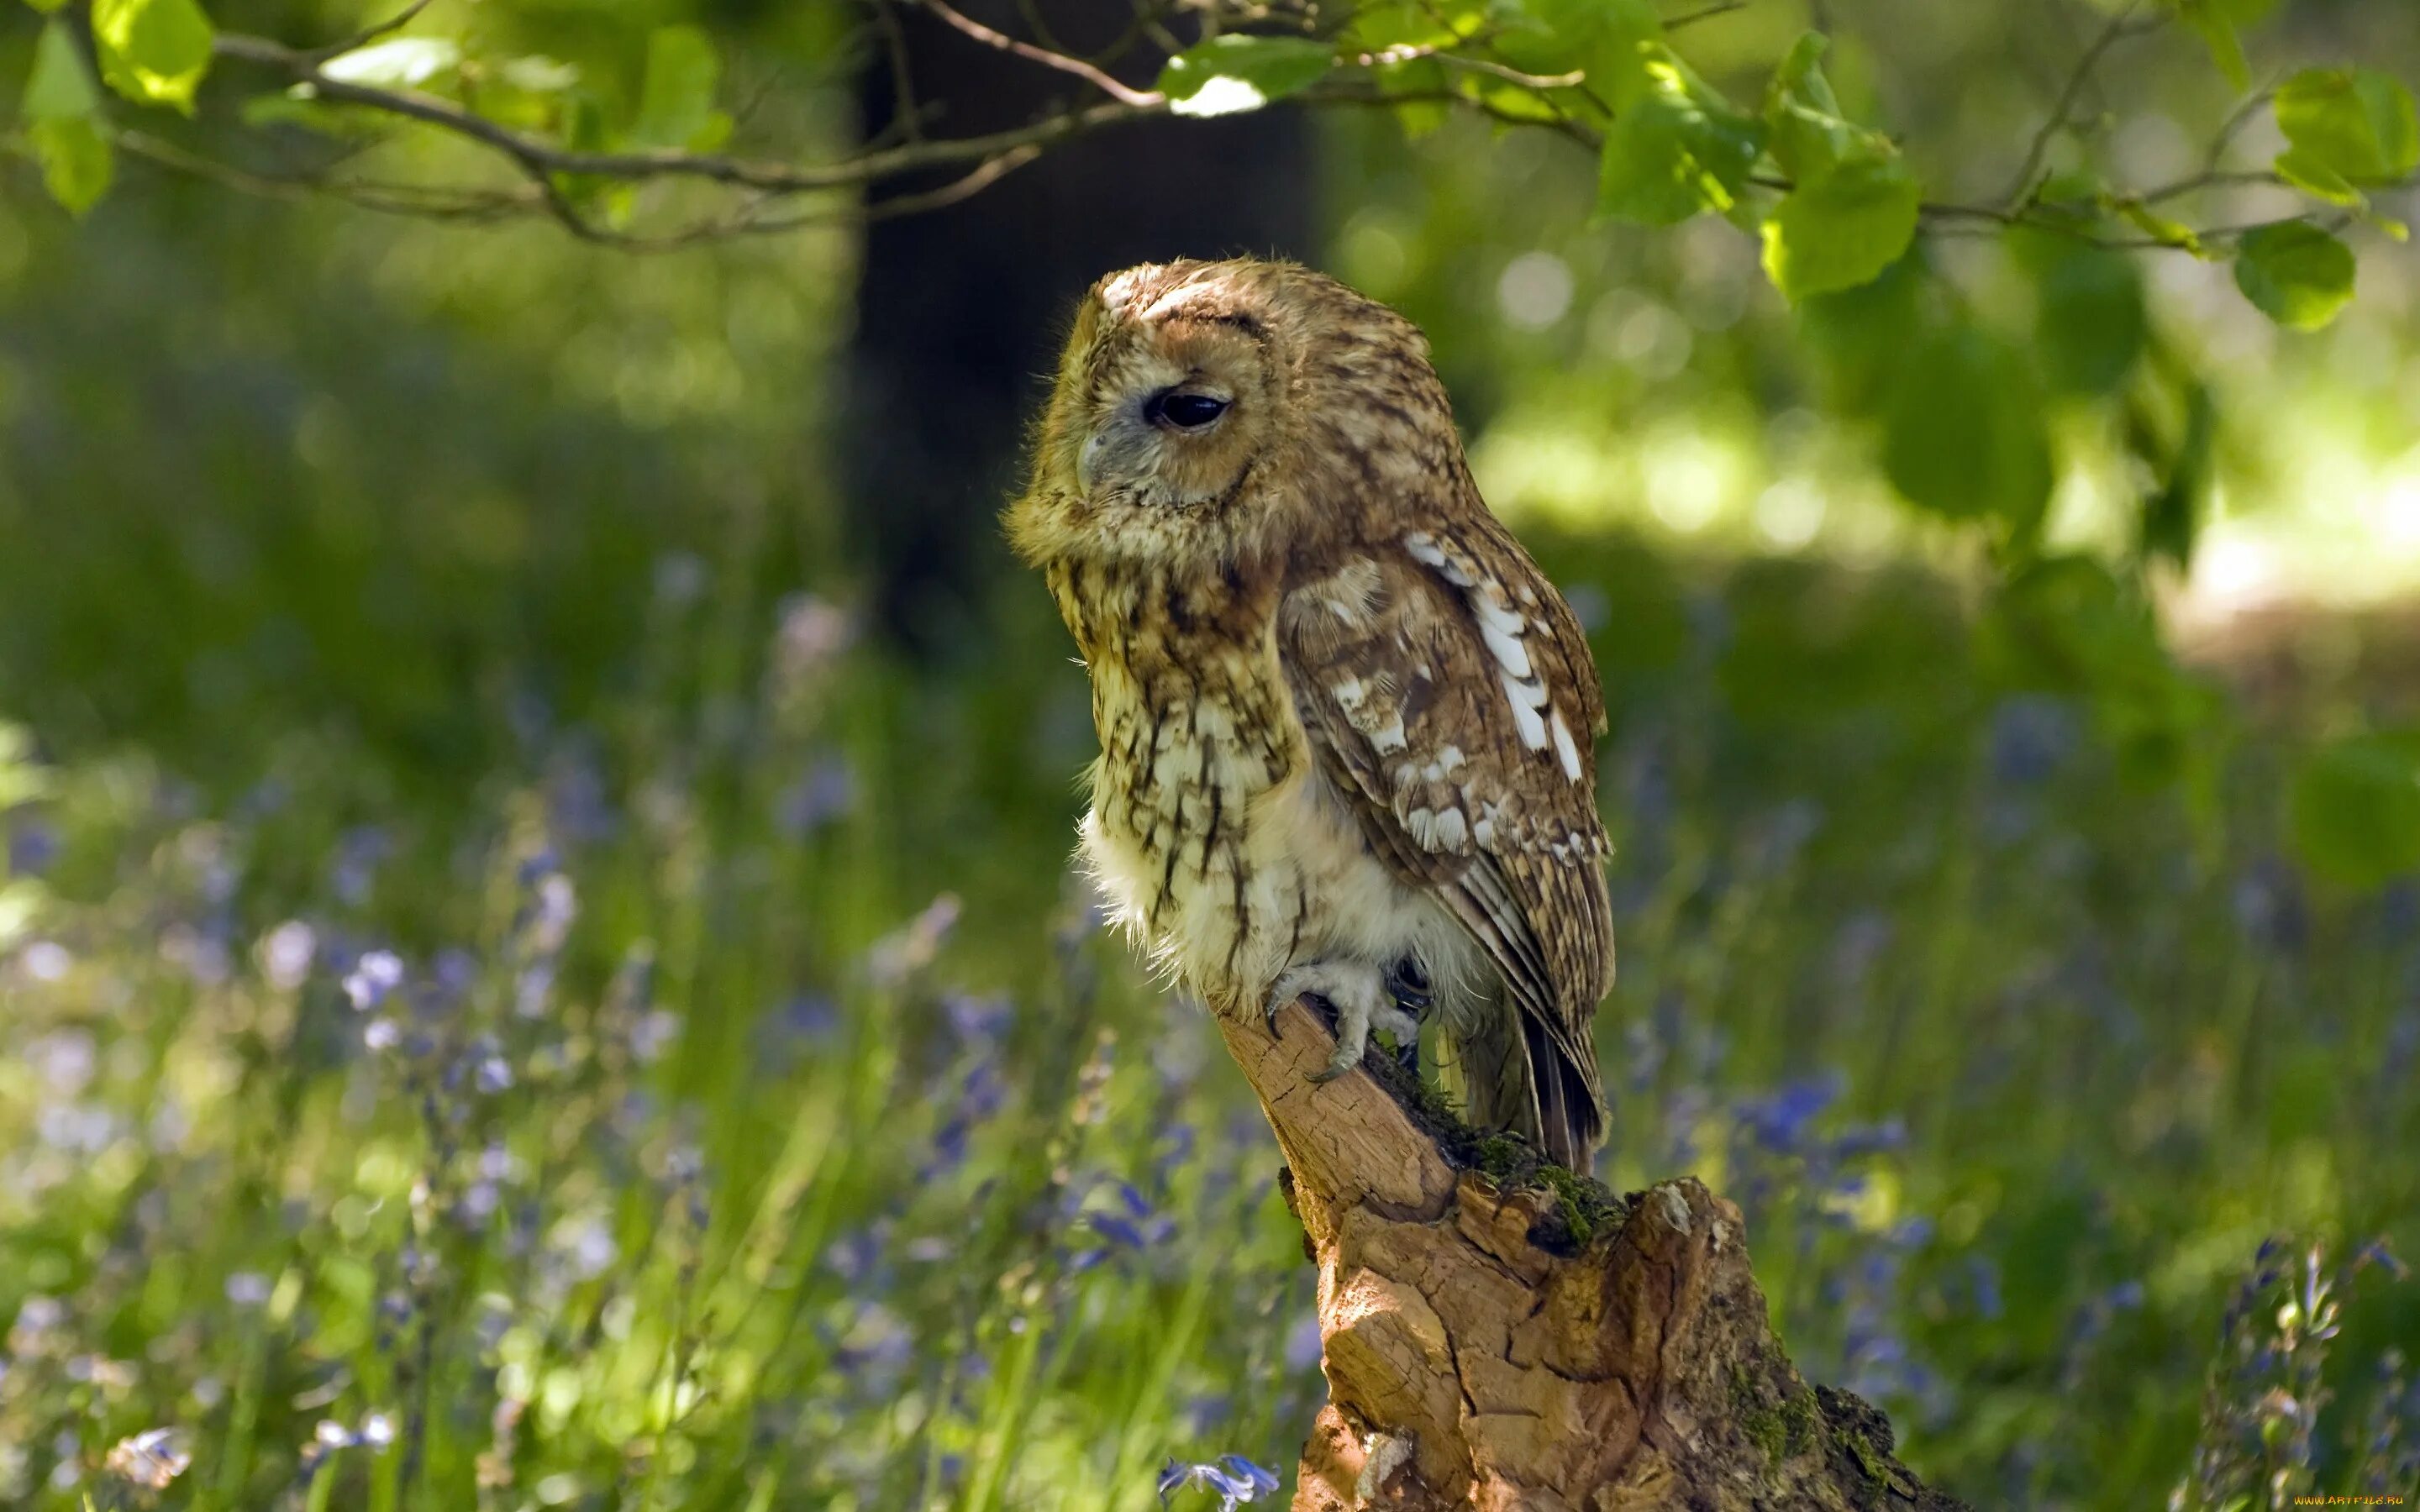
1185 411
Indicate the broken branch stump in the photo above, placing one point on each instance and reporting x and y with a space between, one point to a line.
1516 1340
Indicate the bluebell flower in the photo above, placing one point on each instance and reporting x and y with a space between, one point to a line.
149 1460
826 790
1780 1120
2270 906
376 973
1233 1479
2032 734
359 855
33 845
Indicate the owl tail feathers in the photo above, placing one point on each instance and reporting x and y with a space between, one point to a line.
1570 1123
1496 1067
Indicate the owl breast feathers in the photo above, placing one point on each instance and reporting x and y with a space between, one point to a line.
1347 727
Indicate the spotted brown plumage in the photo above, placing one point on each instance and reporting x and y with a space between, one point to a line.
1346 725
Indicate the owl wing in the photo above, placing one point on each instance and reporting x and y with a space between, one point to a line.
1450 697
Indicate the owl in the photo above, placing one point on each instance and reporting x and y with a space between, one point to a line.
1346 725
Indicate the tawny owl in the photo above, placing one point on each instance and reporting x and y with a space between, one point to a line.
1346 725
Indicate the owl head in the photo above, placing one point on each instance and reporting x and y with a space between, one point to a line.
1208 410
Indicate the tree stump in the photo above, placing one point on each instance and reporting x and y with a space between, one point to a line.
1502 1335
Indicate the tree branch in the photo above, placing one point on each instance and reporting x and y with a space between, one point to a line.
1498 1335
1106 83
856 184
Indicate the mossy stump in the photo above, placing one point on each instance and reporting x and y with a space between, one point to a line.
1500 1334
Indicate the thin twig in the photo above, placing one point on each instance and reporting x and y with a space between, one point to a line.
538 156
370 34
904 111
2061 113
1105 82
1709 13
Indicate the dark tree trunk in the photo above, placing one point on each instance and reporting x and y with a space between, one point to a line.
961 311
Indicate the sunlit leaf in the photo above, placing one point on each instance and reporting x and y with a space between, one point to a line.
2315 178
1676 150
1853 209
676 94
2355 809
1964 434
397 63
153 52
1230 74
2346 125
2295 272
1842 228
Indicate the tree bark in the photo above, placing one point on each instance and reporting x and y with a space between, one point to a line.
1502 1335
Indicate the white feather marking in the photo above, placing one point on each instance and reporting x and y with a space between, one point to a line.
1425 550
1388 739
1526 700
1423 823
1485 832
1510 652
1349 694
1565 748
1492 612
1451 758
1453 831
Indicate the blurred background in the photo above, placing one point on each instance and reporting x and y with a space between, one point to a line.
538 960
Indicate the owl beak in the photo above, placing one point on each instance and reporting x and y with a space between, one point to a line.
1088 461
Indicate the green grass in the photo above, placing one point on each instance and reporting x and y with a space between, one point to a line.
704 1159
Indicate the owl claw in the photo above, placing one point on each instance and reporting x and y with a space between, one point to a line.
1361 999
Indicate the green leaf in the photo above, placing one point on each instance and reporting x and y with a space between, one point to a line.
2215 24
2177 454
1842 228
153 52
60 86
676 94
1678 148
2089 320
76 159
1805 130
397 63
1852 208
1230 74
1861 336
2347 126
45 7
2354 809
538 75
1964 434
2297 275
2314 176
1610 40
